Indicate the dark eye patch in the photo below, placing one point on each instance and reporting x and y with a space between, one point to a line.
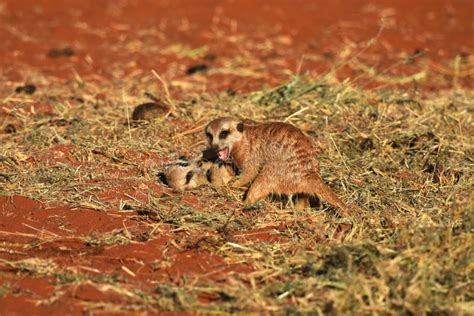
209 137
224 134
209 175
189 176
162 178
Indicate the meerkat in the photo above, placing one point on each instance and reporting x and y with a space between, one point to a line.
185 174
220 173
275 158
150 111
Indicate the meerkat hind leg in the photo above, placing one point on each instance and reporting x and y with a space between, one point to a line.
301 201
261 187
246 177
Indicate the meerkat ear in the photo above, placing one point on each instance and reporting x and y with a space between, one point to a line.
240 127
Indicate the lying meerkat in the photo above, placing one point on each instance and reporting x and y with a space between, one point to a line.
276 158
185 174
220 173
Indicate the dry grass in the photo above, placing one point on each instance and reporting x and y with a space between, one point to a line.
405 160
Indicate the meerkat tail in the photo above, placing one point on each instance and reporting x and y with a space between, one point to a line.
327 194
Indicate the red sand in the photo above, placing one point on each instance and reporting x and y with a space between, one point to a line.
112 39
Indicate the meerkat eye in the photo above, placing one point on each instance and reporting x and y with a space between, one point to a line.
189 176
209 137
224 134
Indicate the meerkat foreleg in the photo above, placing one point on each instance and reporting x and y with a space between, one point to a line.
248 175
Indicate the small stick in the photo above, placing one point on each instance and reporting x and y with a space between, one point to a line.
295 114
300 64
127 270
167 92
40 231
128 115
337 149
191 131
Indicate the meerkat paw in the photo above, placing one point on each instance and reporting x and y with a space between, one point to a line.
237 184
252 201
253 206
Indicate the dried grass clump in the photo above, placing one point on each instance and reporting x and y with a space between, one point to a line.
404 159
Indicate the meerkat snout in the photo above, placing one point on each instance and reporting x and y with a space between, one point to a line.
222 135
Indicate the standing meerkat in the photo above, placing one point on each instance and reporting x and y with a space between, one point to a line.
276 158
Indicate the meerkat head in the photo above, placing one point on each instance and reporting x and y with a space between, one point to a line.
223 134
184 174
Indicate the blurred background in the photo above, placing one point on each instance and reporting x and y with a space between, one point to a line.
241 45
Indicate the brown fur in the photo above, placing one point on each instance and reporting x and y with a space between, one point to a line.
276 158
219 174
150 111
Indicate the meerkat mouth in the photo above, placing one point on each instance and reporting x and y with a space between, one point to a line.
223 154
